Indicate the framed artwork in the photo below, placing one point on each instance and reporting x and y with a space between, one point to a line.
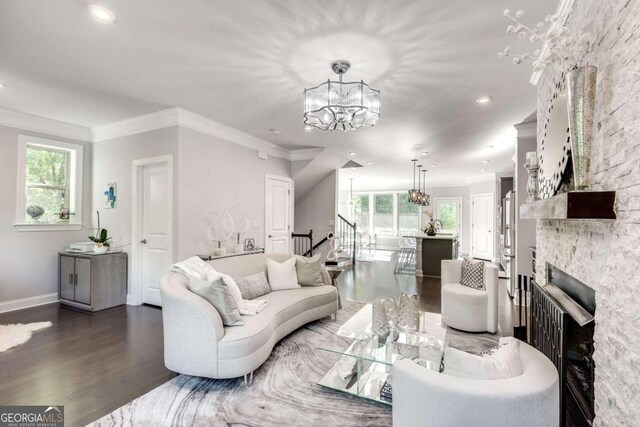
110 196
249 244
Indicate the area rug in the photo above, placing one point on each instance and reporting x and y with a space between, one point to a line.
17 334
284 391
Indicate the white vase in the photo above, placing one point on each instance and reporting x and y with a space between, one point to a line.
100 249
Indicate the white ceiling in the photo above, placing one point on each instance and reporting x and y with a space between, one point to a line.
245 64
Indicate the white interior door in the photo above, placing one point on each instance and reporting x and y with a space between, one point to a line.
482 226
278 214
155 230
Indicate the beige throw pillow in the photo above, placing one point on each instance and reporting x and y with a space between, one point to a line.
218 294
309 270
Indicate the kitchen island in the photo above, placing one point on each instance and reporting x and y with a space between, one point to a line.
431 250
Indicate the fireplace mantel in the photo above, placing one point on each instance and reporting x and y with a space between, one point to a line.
572 205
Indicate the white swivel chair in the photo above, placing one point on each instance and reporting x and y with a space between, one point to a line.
422 397
465 308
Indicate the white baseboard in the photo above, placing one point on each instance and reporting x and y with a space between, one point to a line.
19 304
131 300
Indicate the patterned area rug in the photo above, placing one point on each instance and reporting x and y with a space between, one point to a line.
284 390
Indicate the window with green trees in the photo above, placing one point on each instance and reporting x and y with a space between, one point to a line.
408 216
361 211
47 180
383 214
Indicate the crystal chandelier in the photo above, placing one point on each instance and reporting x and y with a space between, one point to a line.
335 105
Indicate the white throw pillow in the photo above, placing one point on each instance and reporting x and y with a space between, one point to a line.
497 363
282 275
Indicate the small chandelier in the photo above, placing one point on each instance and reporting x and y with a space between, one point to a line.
413 193
424 197
335 105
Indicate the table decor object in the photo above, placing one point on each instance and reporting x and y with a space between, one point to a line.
531 164
581 94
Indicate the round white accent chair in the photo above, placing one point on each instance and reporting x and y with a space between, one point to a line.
468 309
422 397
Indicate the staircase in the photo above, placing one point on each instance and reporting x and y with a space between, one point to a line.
347 233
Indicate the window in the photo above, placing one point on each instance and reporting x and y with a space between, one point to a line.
449 212
408 216
49 176
383 215
361 211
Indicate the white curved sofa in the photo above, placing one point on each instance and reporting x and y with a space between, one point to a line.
465 308
195 340
422 397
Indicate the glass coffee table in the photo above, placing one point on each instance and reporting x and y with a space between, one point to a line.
364 361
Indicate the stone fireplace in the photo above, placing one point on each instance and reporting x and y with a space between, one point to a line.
605 255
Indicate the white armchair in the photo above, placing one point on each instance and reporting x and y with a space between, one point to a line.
465 308
422 397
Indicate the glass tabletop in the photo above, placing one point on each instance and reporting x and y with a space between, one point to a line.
355 339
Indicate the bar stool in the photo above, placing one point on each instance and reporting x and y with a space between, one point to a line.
406 263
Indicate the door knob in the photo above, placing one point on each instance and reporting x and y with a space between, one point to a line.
143 241
269 236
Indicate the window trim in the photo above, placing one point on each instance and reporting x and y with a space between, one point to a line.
458 201
371 195
75 171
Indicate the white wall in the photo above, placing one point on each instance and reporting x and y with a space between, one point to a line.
317 208
113 162
215 175
29 260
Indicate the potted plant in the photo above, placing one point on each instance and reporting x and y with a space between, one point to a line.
101 241
433 226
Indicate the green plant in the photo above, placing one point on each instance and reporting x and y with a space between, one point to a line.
433 226
101 238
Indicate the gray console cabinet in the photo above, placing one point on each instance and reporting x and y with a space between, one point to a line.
93 282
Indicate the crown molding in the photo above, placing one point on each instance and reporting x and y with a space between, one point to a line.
563 11
30 122
305 153
145 123
527 130
158 120
210 127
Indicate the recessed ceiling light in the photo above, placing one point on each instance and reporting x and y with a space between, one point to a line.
369 162
424 153
101 13
417 146
352 153
483 170
1 85
488 147
433 165
275 131
308 127
485 161
484 99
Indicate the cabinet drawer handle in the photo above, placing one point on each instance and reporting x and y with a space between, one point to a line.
75 280
70 279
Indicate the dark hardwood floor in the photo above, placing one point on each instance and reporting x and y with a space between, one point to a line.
93 363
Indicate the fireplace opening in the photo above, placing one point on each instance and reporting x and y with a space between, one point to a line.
562 327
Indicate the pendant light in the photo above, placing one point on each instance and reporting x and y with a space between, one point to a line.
413 193
424 197
419 193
